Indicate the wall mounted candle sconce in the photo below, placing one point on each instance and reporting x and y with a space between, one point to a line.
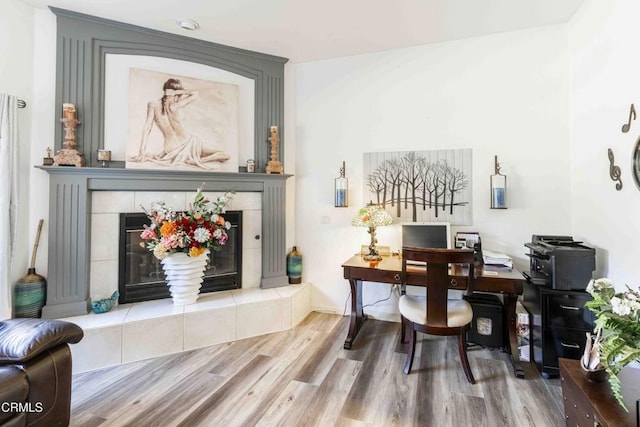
498 188
342 189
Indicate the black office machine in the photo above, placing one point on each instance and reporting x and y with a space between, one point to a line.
554 295
559 262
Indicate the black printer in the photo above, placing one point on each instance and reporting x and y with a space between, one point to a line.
559 262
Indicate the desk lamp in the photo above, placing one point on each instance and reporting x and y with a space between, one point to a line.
372 216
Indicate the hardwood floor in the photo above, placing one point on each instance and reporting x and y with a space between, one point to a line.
303 377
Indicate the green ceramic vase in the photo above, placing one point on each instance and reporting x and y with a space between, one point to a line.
294 266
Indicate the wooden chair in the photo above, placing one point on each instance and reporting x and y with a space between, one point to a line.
436 315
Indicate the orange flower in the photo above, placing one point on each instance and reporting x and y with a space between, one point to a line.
193 252
220 220
168 228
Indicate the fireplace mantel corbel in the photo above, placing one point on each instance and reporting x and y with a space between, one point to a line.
70 224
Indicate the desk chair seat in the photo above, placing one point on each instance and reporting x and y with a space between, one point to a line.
413 308
435 314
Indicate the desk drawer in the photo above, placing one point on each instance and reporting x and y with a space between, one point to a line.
373 275
455 282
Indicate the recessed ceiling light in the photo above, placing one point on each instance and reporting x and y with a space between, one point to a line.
188 24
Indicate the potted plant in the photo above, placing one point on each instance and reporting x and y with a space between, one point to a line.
617 329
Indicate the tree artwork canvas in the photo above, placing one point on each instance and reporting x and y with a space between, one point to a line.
181 123
421 186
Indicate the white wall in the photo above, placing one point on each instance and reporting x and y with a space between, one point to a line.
507 94
504 94
16 65
605 81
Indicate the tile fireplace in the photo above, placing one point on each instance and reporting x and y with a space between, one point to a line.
79 264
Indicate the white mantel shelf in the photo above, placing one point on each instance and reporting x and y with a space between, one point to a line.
71 189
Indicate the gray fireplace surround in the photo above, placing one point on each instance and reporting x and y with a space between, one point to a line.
71 189
82 45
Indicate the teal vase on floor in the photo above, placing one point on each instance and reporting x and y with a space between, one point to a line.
294 266
29 295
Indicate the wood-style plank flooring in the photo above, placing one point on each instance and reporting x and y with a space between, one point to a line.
303 377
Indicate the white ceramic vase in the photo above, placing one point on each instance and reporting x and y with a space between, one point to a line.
184 275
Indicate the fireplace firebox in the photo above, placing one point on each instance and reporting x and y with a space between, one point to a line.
141 277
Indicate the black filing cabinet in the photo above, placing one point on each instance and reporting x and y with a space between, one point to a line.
559 323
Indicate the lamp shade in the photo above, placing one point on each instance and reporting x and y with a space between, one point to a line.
371 216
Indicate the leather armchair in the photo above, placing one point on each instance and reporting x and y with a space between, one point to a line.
35 371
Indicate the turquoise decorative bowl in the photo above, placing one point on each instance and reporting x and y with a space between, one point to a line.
104 305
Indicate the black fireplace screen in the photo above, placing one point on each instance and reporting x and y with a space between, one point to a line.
141 277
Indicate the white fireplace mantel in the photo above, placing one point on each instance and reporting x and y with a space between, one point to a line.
71 189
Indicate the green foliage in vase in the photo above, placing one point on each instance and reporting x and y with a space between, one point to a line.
618 323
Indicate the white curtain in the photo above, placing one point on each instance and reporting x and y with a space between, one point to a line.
8 197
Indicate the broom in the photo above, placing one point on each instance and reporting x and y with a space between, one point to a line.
30 290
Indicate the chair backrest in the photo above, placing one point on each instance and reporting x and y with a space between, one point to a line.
437 276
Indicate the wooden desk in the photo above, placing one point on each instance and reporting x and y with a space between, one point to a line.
507 281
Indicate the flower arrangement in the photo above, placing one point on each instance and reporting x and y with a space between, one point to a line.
202 227
617 327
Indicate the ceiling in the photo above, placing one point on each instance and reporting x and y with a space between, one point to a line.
306 30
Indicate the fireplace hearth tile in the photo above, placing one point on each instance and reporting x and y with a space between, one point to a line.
259 317
209 327
211 301
99 348
153 310
142 330
296 304
89 321
152 337
246 296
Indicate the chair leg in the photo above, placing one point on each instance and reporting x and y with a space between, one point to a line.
403 323
462 349
412 350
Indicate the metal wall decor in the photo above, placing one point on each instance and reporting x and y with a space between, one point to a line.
614 171
421 186
635 163
627 126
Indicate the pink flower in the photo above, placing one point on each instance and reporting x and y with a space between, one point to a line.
170 241
148 233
